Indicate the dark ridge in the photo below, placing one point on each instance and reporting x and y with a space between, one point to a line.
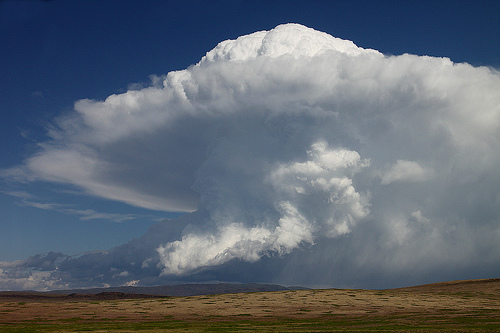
13 296
182 289
127 292
297 288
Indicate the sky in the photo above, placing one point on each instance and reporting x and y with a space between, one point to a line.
150 142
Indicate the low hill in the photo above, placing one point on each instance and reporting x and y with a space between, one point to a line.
488 286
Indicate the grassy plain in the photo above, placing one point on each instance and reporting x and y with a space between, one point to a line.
461 306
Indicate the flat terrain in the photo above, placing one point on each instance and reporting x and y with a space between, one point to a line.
458 306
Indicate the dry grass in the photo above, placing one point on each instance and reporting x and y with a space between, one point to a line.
464 306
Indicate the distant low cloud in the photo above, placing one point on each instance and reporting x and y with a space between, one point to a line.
297 152
35 273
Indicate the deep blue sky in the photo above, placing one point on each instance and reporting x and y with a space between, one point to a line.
53 53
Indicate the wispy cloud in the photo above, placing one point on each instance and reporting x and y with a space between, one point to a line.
90 214
37 94
28 200
19 194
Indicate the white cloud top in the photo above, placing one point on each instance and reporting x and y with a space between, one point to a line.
288 39
292 138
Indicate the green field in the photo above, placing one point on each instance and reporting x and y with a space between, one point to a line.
449 307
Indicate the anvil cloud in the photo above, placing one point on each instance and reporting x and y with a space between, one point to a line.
295 149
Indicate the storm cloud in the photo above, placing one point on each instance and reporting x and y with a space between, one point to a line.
298 152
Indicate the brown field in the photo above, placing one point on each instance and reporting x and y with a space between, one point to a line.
459 306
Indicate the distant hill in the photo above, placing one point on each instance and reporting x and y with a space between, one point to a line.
183 289
482 286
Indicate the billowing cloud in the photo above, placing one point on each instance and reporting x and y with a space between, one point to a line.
311 197
296 149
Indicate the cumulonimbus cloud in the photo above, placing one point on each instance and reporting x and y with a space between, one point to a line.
290 138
